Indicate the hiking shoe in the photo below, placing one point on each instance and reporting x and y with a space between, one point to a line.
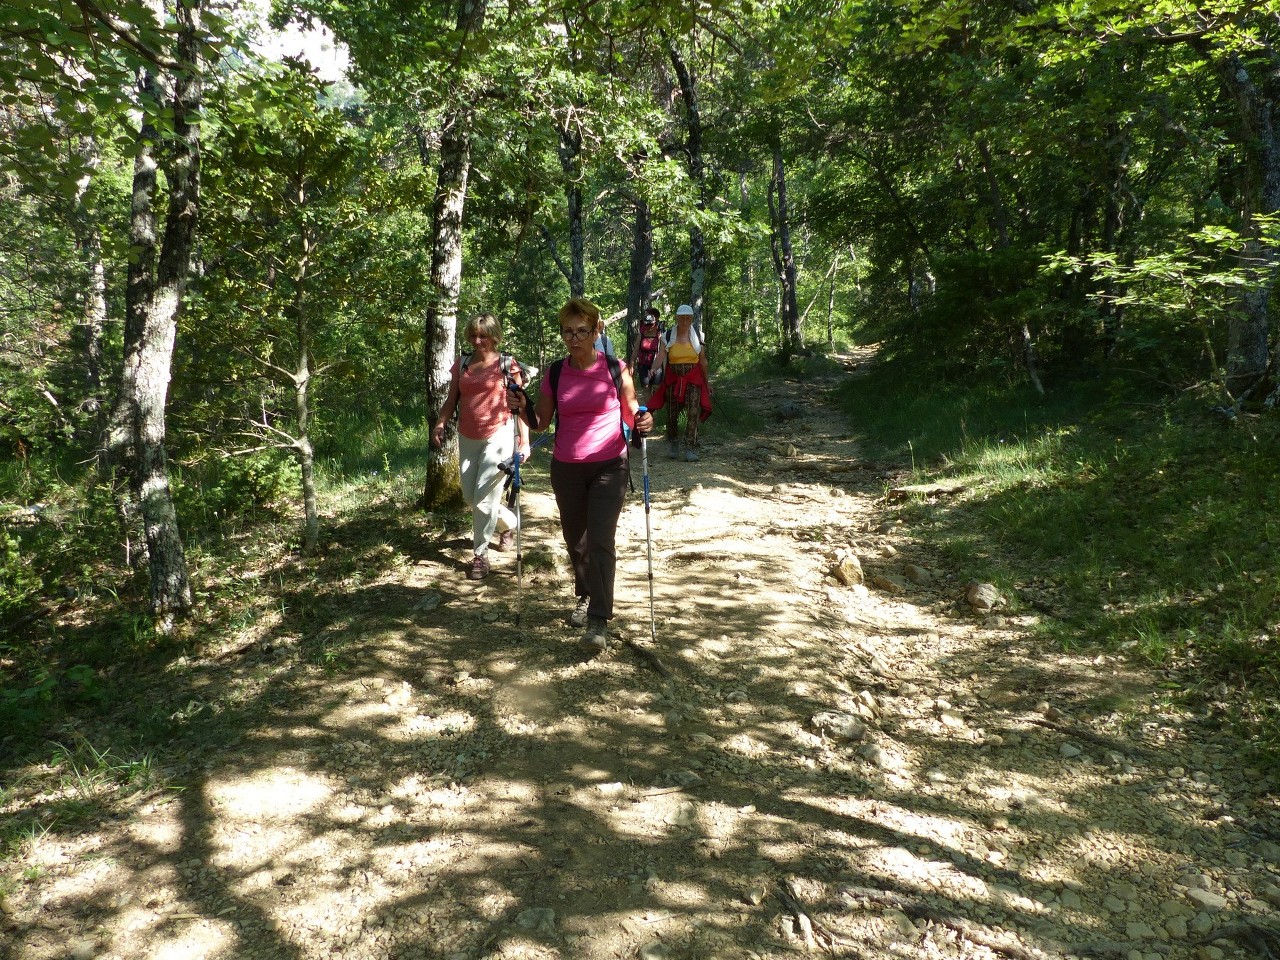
506 540
596 639
690 456
479 568
579 616
673 450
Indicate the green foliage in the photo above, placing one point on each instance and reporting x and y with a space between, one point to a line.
19 582
235 486
1141 523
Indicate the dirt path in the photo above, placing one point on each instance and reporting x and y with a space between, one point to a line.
796 765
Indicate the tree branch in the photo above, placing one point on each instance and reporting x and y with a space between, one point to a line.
123 32
553 249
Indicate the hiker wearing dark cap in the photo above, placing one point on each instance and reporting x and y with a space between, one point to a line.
644 354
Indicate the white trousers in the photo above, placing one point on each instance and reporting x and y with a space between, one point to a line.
482 482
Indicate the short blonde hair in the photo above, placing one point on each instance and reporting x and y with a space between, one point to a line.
484 324
580 307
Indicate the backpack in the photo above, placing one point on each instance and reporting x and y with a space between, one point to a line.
527 373
647 351
615 371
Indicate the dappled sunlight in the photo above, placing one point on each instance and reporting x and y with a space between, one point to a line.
397 767
194 938
277 794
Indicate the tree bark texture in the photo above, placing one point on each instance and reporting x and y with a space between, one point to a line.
748 317
697 173
302 386
783 257
93 316
157 282
442 486
571 165
831 302
640 282
1248 326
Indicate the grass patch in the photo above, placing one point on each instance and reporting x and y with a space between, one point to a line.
1144 524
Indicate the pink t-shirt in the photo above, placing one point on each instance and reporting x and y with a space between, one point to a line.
589 411
482 399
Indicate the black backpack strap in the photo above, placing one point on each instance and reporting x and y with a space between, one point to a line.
615 371
553 373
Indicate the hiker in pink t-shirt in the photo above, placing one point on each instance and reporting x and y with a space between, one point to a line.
478 390
589 462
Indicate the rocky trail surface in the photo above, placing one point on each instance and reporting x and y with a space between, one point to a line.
833 747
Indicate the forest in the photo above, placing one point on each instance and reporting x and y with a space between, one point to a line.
232 289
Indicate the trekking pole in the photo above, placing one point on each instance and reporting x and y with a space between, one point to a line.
515 482
648 533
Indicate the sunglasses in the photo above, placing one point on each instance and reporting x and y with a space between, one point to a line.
577 334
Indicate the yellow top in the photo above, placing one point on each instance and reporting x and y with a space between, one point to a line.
681 353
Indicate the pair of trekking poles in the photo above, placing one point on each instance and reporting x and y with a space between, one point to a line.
516 484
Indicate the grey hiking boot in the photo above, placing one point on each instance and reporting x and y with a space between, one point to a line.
596 639
691 456
579 616
673 450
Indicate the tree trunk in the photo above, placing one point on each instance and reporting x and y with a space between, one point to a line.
783 257
697 172
640 282
748 316
301 390
1248 326
93 316
571 164
119 441
1000 220
831 303
157 282
1112 224
442 487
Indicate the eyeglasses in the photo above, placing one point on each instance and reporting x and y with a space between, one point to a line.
577 334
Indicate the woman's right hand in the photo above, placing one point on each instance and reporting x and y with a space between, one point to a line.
516 400
437 436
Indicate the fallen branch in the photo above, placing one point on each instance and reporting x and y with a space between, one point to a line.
1097 739
812 931
1264 941
650 658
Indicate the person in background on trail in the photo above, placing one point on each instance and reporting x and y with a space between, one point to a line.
644 354
603 344
478 392
682 368
591 396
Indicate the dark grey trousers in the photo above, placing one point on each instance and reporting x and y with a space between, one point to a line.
590 497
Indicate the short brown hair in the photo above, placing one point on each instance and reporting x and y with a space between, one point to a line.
580 307
485 324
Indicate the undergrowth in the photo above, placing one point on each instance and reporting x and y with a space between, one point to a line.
1138 522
